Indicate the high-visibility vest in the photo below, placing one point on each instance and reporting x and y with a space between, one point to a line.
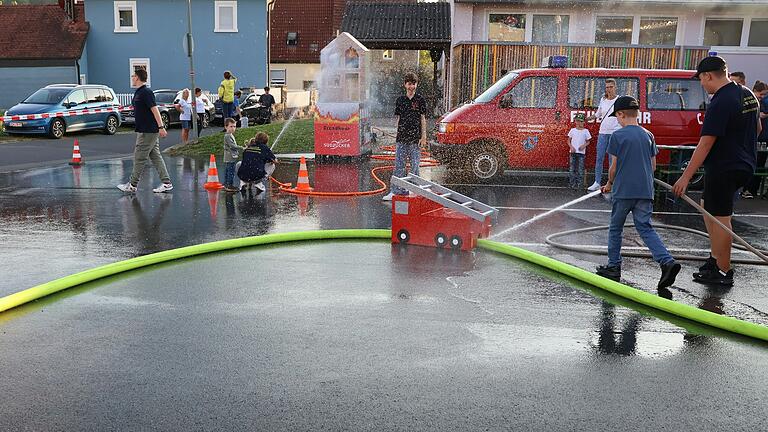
227 90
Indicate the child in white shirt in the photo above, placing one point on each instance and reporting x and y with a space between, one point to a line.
578 139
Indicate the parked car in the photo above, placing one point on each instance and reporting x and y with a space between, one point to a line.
57 98
250 107
166 99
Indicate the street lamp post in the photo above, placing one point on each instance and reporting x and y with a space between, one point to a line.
190 48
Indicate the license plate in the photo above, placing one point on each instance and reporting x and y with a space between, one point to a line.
15 124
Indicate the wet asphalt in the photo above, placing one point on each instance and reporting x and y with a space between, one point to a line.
352 335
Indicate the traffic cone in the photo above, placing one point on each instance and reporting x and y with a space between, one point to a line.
213 202
213 176
302 184
77 158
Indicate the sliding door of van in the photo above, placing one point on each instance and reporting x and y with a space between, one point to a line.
536 126
584 94
676 106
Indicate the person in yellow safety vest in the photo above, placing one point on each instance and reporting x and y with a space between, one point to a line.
227 95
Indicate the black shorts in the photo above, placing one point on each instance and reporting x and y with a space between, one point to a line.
720 191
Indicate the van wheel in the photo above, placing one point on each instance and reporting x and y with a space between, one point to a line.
696 180
110 126
57 128
486 163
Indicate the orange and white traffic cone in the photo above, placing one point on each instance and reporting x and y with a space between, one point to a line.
77 158
302 184
213 176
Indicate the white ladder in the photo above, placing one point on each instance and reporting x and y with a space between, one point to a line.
445 197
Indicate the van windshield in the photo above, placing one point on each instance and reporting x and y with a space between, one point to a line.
497 88
47 96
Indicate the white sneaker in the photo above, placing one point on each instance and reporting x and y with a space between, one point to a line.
127 187
260 186
164 187
595 186
387 197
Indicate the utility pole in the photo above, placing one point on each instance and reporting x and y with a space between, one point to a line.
190 48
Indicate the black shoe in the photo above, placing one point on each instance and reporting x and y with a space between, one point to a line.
665 293
714 277
709 264
610 272
669 272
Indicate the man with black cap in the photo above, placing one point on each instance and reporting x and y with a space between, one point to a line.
727 149
630 180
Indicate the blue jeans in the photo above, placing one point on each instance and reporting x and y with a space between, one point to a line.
403 153
229 174
602 148
641 213
577 170
228 109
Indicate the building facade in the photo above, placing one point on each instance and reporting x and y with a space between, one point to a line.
299 30
737 30
150 34
40 45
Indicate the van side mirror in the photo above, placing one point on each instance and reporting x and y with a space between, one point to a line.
506 101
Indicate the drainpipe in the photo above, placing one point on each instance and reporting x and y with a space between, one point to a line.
270 7
77 66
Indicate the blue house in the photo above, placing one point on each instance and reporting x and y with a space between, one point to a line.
128 34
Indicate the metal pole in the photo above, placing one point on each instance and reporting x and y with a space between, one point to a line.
191 68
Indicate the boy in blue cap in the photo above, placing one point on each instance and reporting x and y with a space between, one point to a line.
630 180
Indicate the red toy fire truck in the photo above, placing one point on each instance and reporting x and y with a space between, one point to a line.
433 215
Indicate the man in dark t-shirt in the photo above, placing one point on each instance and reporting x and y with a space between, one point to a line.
266 101
411 110
727 149
149 128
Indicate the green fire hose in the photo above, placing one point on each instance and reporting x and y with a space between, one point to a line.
689 312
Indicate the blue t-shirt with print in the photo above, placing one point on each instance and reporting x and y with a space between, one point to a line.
633 147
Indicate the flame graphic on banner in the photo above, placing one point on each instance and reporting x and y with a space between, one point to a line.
330 118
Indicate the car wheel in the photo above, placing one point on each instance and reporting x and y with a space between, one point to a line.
166 120
57 128
486 163
110 126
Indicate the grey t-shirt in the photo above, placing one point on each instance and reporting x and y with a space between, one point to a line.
633 147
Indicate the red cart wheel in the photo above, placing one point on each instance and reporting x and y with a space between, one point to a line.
403 236
441 240
456 242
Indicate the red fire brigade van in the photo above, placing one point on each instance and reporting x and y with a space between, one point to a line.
522 121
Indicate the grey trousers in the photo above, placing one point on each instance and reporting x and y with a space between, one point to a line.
148 148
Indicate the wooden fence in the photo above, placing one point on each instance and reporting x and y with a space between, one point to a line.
477 65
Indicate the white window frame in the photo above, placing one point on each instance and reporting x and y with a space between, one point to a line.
139 62
217 5
126 5
749 29
273 83
745 21
636 26
528 21
388 58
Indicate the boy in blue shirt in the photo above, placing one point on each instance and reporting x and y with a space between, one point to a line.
258 163
630 180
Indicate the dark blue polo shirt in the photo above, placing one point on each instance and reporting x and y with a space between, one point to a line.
732 118
143 101
764 109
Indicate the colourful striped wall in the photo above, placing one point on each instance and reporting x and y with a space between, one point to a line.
476 66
